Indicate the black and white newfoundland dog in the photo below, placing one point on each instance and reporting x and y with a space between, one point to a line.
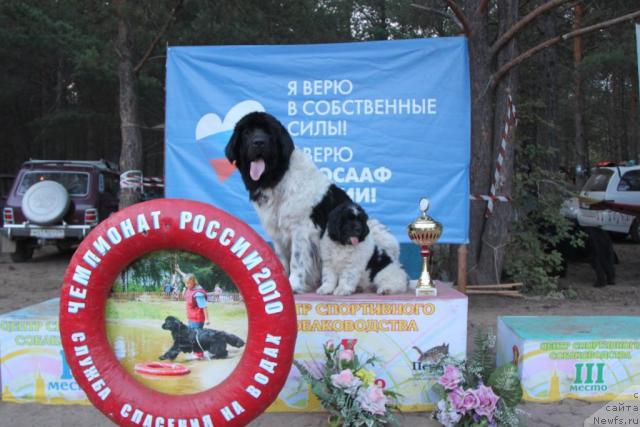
352 260
188 340
292 197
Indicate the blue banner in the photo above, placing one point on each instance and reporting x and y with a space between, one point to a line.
387 121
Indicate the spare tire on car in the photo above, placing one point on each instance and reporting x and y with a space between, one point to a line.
45 202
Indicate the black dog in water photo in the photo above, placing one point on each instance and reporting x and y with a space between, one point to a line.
197 340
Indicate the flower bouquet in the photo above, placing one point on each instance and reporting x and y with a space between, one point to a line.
474 394
347 389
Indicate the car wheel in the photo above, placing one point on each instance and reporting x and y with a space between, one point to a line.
45 202
617 237
634 231
66 247
23 252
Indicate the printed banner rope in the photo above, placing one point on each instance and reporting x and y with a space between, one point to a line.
226 241
509 123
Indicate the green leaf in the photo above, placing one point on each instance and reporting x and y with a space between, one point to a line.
439 390
506 383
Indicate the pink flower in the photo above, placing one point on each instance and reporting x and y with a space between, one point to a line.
372 399
455 397
488 401
463 400
346 380
330 345
470 400
451 378
346 355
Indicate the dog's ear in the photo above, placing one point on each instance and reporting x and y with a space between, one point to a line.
231 150
286 143
334 224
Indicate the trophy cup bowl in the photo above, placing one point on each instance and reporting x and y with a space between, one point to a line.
425 231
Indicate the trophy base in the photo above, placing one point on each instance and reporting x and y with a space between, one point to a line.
426 292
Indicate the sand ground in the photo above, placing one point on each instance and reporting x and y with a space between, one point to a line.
39 280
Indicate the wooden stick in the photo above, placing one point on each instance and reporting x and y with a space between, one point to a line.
499 286
462 269
514 294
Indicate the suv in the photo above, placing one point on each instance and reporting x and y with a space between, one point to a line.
5 185
610 199
59 202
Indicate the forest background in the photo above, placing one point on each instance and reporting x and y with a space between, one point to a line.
85 80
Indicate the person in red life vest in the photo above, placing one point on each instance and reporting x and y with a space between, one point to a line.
195 297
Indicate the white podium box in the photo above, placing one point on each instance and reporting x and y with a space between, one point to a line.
399 329
594 358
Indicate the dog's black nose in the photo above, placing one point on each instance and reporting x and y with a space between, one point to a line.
258 142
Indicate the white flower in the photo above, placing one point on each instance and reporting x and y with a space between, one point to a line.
446 415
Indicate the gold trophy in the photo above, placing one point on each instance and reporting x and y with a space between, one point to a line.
425 231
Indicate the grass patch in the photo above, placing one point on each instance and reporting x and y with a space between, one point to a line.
158 310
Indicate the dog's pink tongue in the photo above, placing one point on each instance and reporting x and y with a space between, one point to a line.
256 170
355 241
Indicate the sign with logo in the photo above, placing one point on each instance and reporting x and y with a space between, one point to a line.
32 364
406 334
388 121
587 358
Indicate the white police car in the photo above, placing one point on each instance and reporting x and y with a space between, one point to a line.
610 199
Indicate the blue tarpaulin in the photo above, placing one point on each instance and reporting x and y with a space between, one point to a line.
388 121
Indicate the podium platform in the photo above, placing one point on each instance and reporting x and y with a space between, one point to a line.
398 329
573 357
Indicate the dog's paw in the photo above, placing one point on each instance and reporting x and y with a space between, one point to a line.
340 291
297 285
324 290
389 290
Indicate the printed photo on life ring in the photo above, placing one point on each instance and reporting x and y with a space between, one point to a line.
176 322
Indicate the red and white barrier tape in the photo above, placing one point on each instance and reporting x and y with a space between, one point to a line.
131 179
153 181
135 180
509 123
479 197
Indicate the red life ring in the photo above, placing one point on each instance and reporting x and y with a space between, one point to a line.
161 368
226 241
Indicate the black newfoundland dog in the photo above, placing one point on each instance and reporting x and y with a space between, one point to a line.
197 340
291 195
351 259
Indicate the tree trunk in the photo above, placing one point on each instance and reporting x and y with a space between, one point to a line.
481 129
90 152
633 116
495 234
131 153
582 158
